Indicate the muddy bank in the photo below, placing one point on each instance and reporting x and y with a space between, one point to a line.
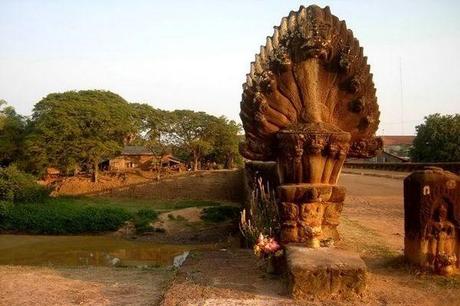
211 185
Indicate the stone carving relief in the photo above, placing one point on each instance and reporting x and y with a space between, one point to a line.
432 220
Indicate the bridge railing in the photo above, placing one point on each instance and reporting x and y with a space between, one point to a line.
404 167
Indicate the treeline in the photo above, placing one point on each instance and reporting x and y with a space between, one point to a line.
76 130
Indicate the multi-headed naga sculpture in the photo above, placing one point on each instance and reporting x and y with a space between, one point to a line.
308 102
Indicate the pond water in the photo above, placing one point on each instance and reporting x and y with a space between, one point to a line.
88 251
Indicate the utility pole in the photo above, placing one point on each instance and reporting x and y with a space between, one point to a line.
401 95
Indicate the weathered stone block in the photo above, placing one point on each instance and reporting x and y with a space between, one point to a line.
315 273
309 212
432 220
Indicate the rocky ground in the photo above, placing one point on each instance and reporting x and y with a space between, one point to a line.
372 225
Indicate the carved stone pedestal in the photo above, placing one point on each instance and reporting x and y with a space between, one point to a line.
324 272
310 213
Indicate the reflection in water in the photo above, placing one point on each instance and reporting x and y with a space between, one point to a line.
86 250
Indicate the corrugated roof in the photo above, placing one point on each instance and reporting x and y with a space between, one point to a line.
403 159
136 150
172 158
51 171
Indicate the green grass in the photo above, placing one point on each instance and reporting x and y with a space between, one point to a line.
69 215
75 215
51 218
143 219
133 205
220 213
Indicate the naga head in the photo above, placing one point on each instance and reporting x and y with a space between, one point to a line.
318 43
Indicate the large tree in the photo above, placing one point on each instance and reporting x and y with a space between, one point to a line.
12 127
226 141
79 129
192 131
438 139
154 130
2 113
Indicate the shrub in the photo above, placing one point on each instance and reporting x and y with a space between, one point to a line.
4 210
146 213
60 218
143 218
220 213
17 186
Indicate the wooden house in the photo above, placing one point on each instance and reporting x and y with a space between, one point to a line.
139 157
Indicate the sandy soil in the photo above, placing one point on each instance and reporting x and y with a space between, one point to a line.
79 185
173 222
83 286
226 277
215 185
185 226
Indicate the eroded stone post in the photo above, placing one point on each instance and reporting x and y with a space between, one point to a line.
432 220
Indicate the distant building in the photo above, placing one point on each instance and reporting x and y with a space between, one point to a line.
386 157
139 157
395 150
52 173
398 145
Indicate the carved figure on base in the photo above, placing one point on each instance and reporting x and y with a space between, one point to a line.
432 220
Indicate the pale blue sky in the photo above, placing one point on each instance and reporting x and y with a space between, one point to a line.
195 54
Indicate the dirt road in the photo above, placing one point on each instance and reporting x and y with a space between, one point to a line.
376 203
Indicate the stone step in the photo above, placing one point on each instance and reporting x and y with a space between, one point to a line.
324 272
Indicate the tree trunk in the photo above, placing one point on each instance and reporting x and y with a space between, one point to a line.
229 162
195 161
95 171
159 170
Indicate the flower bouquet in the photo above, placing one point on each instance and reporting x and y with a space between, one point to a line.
270 252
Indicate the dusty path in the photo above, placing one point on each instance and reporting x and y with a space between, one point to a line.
376 203
81 286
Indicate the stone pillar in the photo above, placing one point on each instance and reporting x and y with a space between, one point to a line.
432 220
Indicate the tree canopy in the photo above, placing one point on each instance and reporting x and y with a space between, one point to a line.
192 131
12 128
437 139
77 129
